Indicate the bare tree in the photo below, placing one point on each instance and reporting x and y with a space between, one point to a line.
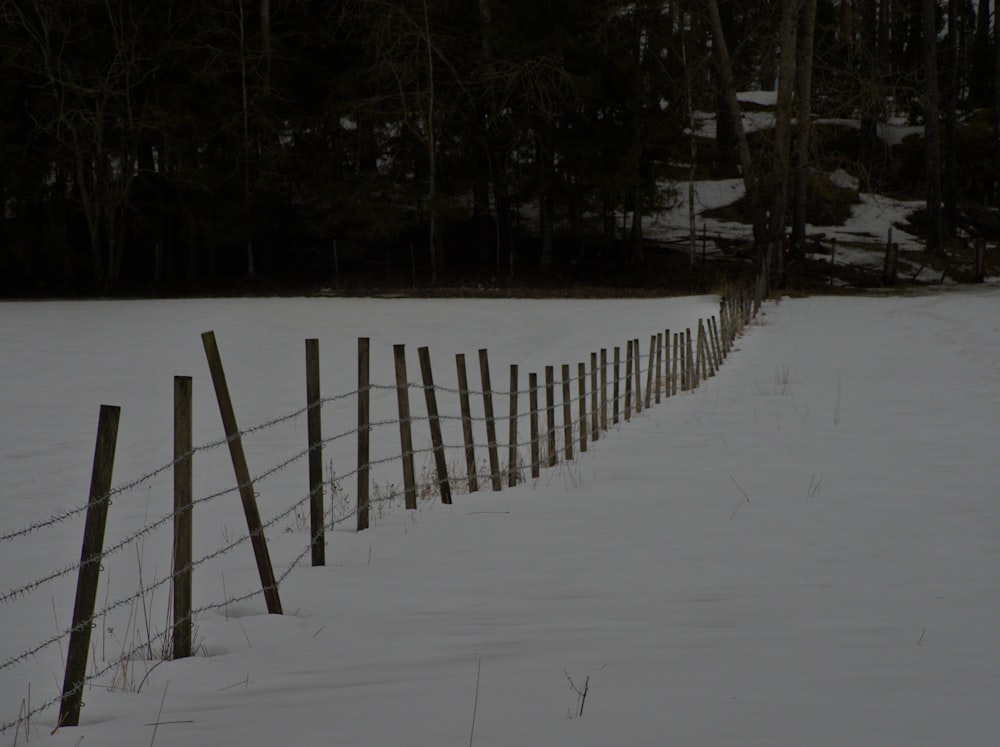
93 109
932 137
803 90
781 166
725 66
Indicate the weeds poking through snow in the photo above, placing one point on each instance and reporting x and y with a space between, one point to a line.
581 693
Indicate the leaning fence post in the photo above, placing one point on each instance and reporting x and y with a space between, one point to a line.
512 430
581 371
364 431
533 423
181 635
90 566
267 581
470 445
314 435
405 431
432 416
550 414
491 427
567 414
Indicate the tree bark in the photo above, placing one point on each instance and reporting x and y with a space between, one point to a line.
932 136
950 186
733 107
780 169
803 80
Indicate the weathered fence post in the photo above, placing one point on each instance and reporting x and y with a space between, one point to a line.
650 372
268 583
364 432
550 414
512 430
90 566
581 370
470 444
659 365
595 424
615 389
628 380
678 376
314 436
533 424
491 427
637 352
604 389
405 430
430 396
183 484
567 414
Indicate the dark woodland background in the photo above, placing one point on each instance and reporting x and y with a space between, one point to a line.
185 146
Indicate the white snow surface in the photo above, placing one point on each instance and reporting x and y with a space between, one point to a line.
802 551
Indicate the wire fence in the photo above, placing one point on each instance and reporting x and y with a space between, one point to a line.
668 368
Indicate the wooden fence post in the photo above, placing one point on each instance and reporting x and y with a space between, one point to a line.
604 389
364 432
183 484
405 429
90 566
314 437
267 581
659 365
650 372
533 424
615 389
595 425
679 378
567 414
430 396
628 380
491 427
470 444
637 352
512 430
581 370
550 414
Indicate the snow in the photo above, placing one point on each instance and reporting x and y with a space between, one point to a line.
802 551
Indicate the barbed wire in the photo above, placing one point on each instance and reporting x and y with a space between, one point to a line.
543 437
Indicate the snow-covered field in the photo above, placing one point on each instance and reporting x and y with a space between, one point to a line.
803 551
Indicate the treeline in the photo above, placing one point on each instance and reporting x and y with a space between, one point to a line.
182 143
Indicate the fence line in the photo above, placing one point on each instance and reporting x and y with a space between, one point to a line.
713 343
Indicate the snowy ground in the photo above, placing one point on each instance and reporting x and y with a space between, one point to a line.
803 551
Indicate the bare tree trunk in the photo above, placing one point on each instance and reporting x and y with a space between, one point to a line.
266 42
432 196
246 144
780 169
932 136
996 100
950 187
803 86
733 106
